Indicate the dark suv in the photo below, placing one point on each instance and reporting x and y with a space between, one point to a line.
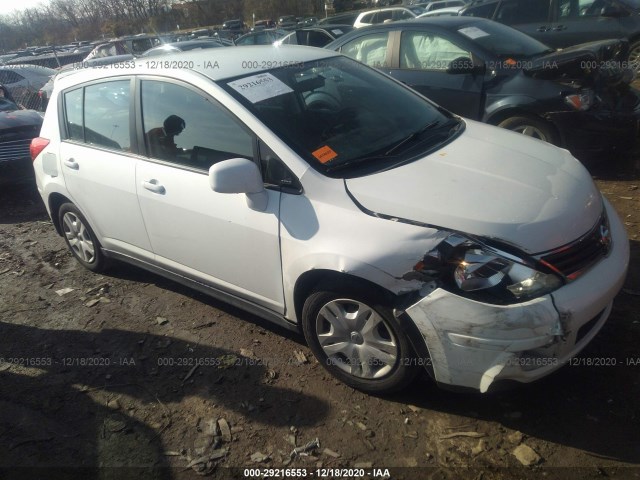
233 27
562 23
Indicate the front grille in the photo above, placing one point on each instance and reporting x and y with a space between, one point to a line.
575 258
15 150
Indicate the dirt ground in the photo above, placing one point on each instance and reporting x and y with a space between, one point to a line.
128 374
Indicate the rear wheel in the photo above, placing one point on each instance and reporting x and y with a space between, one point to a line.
80 238
358 340
530 126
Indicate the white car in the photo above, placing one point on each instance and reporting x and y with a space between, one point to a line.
384 15
327 197
442 12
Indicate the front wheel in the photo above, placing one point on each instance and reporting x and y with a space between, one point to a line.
531 127
634 57
358 341
80 238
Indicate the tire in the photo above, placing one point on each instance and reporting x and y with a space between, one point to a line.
80 239
362 346
532 127
634 57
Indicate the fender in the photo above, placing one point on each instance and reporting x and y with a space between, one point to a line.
497 104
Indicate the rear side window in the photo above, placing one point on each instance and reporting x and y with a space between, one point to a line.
8 77
368 18
523 11
383 15
73 109
106 115
98 114
482 11
368 49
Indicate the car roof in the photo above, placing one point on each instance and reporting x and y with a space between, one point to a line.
386 9
452 22
216 64
44 71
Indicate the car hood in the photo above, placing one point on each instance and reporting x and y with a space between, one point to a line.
579 60
19 118
493 183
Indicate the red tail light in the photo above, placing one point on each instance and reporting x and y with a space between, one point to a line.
37 145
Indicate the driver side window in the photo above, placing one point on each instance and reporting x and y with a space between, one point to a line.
188 128
426 51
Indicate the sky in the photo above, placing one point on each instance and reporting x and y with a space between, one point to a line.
9 6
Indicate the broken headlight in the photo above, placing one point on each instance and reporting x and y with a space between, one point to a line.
474 269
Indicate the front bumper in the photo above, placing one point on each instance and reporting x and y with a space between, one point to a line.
473 344
16 171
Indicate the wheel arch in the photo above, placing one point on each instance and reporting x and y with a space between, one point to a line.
501 115
310 280
56 200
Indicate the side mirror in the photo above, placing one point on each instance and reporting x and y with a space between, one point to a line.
464 66
612 11
239 175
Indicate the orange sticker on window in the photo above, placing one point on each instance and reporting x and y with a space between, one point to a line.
325 154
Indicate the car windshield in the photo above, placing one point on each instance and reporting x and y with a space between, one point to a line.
504 41
7 105
340 115
635 4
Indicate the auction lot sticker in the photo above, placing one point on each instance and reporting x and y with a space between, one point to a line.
260 87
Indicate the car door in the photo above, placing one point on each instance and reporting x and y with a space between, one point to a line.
99 164
211 237
422 60
581 21
533 17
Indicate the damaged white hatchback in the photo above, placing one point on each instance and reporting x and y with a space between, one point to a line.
325 196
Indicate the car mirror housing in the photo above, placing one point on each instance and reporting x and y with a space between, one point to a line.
464 66
239 175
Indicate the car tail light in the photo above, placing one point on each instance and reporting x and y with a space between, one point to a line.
37 145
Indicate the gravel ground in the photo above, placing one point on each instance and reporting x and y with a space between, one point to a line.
109 376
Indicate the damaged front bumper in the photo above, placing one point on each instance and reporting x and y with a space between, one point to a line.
473 344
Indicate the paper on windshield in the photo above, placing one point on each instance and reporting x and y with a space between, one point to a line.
473 32
262 86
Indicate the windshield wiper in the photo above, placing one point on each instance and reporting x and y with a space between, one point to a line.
452 122
411 136
341 166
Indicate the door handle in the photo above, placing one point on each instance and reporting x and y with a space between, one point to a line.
72 164
559 28
543 28
154 186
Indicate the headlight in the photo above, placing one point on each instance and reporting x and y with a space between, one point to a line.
472 268
581 101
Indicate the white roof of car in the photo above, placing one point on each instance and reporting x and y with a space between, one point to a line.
441 12
215 63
